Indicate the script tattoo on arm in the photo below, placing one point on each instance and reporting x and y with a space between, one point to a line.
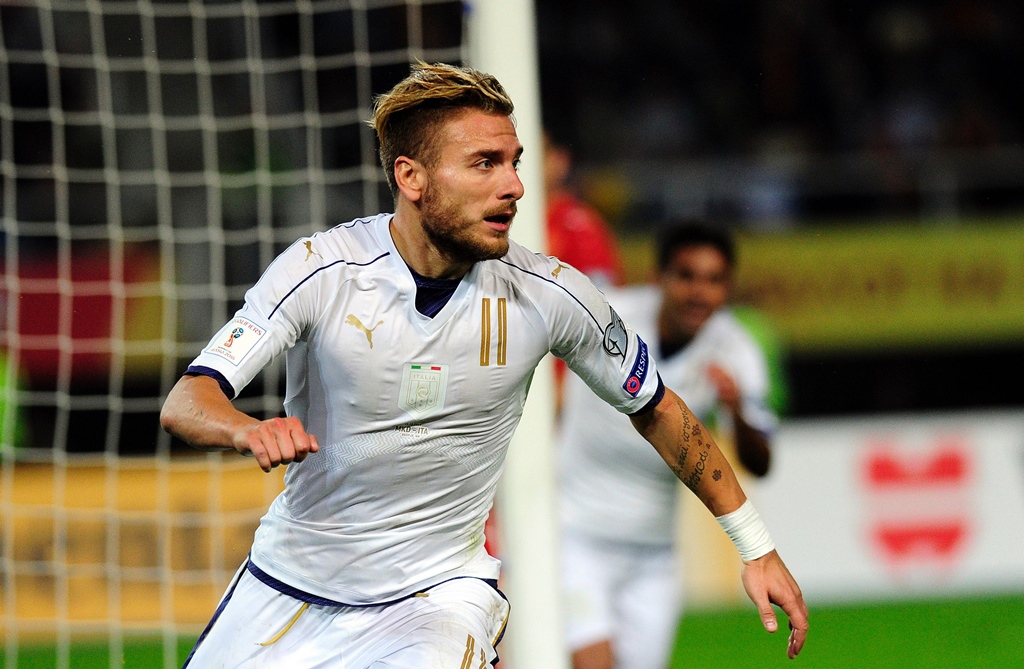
684 447
692 434
693 480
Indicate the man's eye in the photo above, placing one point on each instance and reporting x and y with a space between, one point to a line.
485 164
515 164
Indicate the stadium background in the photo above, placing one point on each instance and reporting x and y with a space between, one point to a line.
869 154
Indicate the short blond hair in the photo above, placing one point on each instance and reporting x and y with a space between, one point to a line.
407 118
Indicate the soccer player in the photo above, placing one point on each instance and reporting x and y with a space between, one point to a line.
617 497
410 340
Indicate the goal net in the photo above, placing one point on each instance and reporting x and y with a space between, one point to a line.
155 156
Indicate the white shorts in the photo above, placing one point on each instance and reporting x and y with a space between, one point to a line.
621 592
453 625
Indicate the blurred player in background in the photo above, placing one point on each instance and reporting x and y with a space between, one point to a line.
411 340
618 501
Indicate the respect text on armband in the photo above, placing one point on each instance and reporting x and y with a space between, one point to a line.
235 341
637 375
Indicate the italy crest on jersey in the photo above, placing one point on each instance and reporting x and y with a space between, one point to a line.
423 389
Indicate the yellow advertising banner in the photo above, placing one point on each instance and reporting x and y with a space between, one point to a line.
141 544
887 287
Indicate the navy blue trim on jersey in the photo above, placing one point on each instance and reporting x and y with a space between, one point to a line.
304 596
553 283
216 614
659 394
357 221
432 294
200 370
320 269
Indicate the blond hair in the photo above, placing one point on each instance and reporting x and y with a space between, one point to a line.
407 118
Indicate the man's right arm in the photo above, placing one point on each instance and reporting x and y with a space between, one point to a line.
688 449
198 412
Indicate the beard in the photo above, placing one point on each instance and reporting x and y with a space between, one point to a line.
458 237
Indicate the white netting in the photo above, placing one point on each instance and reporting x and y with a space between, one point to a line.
154 157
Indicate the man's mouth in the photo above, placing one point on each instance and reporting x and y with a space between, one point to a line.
697 309
501 220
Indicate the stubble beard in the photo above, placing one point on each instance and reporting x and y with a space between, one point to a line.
453 234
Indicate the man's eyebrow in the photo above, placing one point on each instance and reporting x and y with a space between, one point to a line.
496 154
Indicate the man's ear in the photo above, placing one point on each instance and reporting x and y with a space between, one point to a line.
411 178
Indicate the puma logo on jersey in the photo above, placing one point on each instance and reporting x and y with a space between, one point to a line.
352 320
310 252
558 270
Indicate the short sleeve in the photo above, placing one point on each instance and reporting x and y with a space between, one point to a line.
277 312
599 346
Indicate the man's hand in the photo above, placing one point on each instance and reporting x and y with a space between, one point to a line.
277 441
768 581
198 412
725 386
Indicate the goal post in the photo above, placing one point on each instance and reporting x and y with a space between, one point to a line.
155 156
502 41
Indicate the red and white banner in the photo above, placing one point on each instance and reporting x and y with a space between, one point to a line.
899 506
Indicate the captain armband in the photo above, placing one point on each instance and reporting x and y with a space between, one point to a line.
747 531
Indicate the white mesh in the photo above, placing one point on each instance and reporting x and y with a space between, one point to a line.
155 156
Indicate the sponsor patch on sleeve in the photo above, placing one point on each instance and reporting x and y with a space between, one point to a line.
235 341
635 380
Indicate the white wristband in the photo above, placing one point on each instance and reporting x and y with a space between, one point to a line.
747 531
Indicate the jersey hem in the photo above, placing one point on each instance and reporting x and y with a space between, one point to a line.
304 596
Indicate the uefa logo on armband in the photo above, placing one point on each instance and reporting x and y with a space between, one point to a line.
635 380
633 385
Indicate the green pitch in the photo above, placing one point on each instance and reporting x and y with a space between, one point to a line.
146 653
982 633
963 634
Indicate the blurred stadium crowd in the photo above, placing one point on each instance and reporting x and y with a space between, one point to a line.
749 79
711 78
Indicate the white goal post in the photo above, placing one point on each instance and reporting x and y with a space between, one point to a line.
155 155
502 41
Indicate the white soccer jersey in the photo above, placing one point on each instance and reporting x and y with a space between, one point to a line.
614 485
413 414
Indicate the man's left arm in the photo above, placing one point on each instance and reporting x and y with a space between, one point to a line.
688 449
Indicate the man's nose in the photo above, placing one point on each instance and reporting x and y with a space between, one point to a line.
513 186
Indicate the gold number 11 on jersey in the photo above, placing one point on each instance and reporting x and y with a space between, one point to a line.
485 331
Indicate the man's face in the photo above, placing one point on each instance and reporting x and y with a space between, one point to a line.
695 283
470 197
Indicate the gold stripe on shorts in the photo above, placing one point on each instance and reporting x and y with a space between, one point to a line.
295 618
501 630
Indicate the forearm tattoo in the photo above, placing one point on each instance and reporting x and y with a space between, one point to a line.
692 435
